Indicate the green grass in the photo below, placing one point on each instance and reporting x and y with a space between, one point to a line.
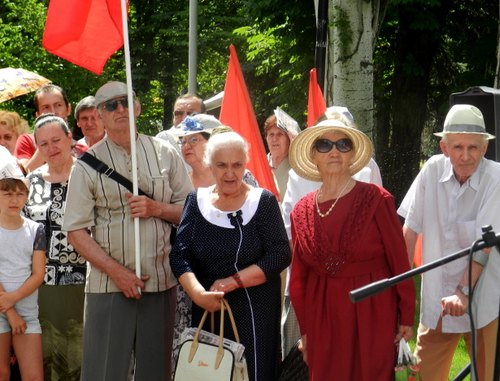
461 357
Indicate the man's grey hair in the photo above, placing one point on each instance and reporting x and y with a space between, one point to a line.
87 103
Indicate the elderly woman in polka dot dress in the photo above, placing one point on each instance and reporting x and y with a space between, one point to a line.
232 244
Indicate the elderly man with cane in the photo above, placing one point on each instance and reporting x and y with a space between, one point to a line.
453 197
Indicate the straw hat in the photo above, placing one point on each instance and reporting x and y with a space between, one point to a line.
301 149
464 119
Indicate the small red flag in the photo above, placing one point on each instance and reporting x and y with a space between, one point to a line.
85 32
315 103
237 112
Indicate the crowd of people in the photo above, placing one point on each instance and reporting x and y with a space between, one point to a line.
73 306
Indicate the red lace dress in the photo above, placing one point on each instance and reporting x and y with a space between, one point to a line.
359 242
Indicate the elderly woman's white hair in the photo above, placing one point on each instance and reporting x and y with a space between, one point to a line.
225 140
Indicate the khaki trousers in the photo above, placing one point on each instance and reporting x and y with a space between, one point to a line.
434 351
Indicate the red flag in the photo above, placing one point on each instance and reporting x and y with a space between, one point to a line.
85 32
316 103
237 112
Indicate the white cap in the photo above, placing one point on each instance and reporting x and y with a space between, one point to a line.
9 168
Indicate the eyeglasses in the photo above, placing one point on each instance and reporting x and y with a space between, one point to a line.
325 145
179 113
113 105
191 141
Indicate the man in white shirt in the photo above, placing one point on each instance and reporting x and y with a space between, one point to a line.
453 196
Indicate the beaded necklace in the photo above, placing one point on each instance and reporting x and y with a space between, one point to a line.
333 205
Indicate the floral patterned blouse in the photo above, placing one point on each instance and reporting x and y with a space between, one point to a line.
63 266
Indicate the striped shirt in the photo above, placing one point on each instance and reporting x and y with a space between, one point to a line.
97 202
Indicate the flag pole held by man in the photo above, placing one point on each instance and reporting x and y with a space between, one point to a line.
120 321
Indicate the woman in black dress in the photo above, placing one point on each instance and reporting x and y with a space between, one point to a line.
232 243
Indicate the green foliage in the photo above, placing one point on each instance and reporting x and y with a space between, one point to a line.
426 51
21 31
280 54
467 37
159 35
276 45
275 67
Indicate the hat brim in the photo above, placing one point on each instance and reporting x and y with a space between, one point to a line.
191 132
301 151
98 105
488 136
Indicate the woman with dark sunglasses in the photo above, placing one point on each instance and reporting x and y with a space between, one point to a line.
346 235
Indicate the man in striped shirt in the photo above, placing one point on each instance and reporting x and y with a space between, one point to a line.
120 320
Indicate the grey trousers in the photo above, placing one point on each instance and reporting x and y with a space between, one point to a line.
116 328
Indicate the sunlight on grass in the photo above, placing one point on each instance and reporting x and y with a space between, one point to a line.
460 359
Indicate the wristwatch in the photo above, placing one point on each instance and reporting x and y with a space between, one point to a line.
463 289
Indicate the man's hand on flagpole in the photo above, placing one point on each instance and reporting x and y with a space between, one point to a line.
141 206
124 278
144 207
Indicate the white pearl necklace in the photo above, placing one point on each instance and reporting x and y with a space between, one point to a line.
335 203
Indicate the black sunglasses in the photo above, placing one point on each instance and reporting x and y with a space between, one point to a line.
325 145
113 105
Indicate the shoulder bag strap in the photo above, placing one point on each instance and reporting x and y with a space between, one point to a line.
101 167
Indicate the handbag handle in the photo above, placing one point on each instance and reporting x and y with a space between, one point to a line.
224 305
231 317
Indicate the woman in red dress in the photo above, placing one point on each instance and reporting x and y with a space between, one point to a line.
345 236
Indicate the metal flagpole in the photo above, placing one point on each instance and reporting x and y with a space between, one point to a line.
193 46
133 151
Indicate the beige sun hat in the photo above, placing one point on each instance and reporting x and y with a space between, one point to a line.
464 119
301 149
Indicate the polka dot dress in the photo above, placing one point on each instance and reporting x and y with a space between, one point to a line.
214 244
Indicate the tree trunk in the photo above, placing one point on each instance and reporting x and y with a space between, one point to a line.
349 67
399 159
497 71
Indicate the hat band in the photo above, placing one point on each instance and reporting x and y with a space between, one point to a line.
464 128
